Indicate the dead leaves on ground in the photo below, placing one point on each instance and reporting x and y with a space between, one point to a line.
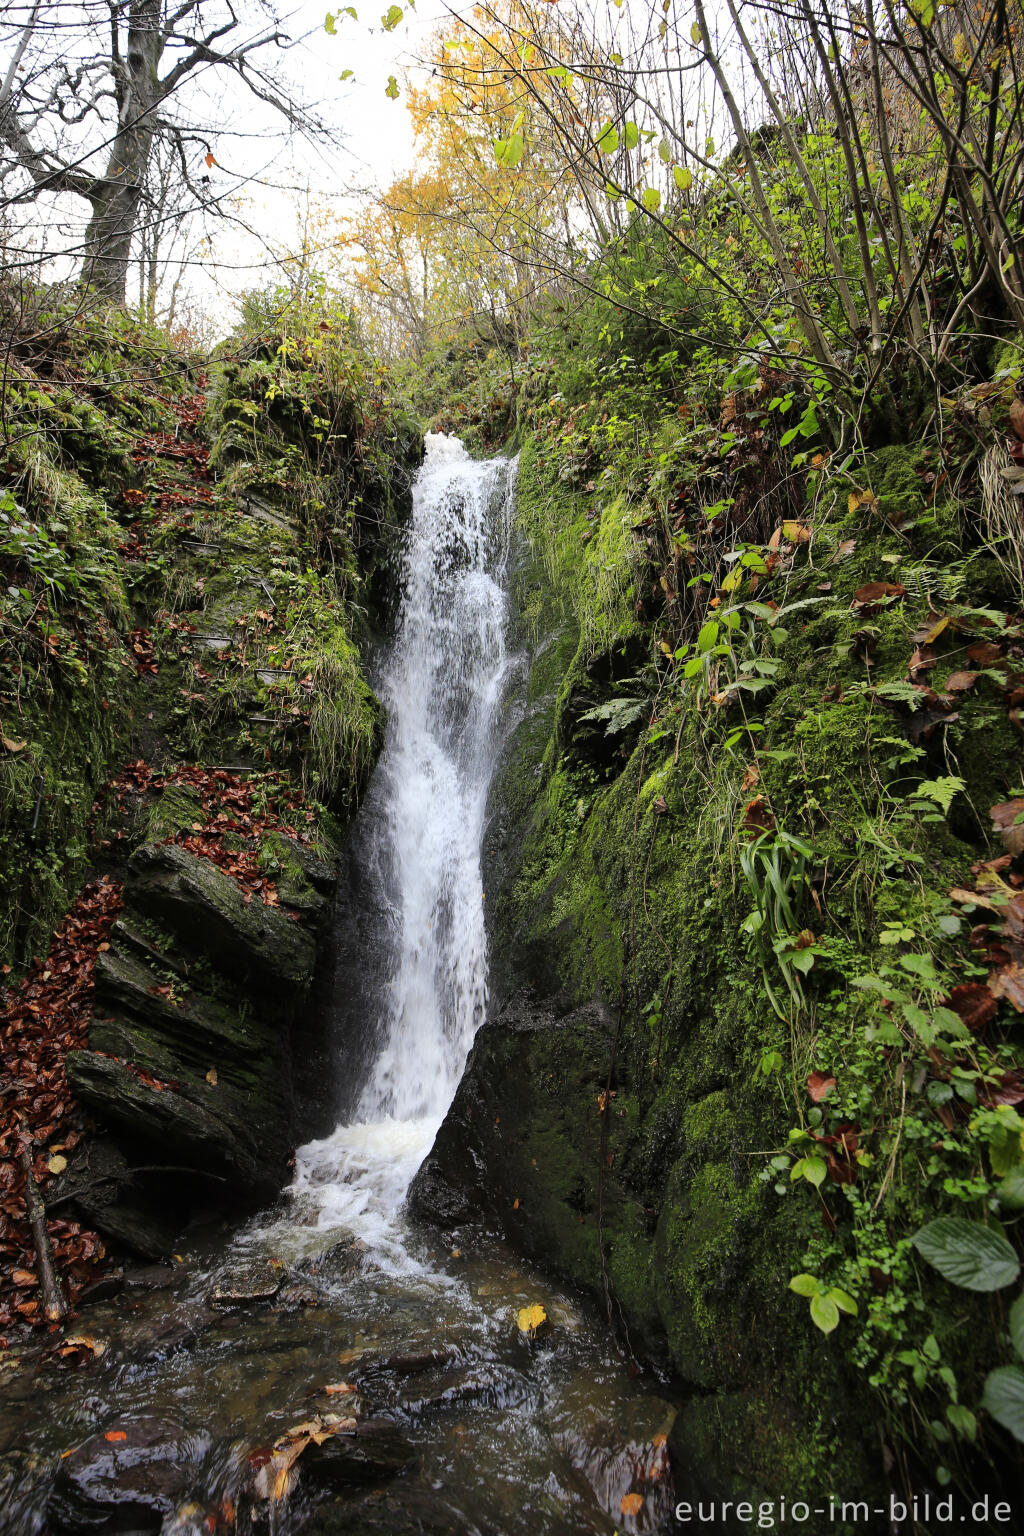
231 816
44 1018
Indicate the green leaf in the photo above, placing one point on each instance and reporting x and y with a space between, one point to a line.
683 177
651 199
560 73
1017 1326
804 1285
962 1420
664 152
824 1313
608 140
392 16
695 33
391 89
630 136
708 636
346 74
843 1300
813 1169
967 1253
1003 1398
508 152
1010 1191
943 791
329 24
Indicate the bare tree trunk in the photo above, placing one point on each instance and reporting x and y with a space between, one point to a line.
118 193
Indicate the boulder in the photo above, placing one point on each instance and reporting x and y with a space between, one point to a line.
208 911
129 1478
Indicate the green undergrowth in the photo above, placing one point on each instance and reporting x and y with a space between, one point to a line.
759 825
172 601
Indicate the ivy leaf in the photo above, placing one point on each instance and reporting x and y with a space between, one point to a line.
967 1253
1003 1398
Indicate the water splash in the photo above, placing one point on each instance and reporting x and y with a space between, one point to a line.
419 839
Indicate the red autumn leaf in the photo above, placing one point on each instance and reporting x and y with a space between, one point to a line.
974 1003
757 815
875 592
819 1084
961 682
984 652
1008 983
115 1434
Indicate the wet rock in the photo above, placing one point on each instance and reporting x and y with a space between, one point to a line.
402 1511
487 1386
150 1277
373 1451
206 909
128 1478
247 1284
175 1329
104 1289
111 1197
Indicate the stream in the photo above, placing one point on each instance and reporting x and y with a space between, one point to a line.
329 1367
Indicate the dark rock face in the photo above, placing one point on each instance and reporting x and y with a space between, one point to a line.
189 1067
127 1478
522 1145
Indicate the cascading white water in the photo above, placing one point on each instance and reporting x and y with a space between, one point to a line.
423 825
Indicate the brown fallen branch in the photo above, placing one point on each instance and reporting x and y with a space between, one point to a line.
54 1305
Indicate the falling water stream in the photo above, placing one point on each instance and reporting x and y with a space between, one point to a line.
504 1435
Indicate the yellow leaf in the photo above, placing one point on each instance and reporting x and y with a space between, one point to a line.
57 1164
211 1077
531 1319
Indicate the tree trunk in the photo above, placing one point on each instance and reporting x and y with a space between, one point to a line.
118 193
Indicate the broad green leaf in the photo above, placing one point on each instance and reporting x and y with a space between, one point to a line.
1017 1326
630 136
843 1300
664 152
813 1169
824 1313
683 177
509 152
708 636
695 33
329 25
1010 1191
651 199
804 1285
608 140
968 1253
1003 1398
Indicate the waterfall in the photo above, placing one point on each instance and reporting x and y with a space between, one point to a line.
419 835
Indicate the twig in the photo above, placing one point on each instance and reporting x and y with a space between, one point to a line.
54 1304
